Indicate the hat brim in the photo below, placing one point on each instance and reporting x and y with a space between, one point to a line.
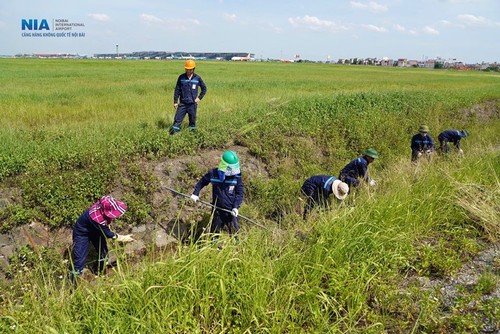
106 209
335 190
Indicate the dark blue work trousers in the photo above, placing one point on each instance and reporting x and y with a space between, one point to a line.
181 112
222 219
86 231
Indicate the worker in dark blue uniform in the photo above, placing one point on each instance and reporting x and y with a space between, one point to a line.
188 92
451 136
422 143
318 188
93 227
358 168
227 192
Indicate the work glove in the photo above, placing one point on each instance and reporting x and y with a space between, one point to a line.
194 198
461 151
197 100
234 212
176 105
373 183
124 238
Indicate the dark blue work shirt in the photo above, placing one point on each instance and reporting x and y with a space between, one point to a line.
453 136
187 89
86 226
355 169
227 191
318 187
422 143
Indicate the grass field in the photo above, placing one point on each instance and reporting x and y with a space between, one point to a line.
70 128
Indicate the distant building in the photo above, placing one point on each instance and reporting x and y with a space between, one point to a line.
175 55
386 62
429 63
412 63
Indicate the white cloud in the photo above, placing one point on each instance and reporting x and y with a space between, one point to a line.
478 21
150 18
181 24
450 24
372 6
430 31
399 27
230 17
374 28
314 23
274 28
100 17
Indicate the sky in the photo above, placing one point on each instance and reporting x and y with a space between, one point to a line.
319 30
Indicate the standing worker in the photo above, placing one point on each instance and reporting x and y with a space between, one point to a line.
421 143
318 188
188 92
358 168
92 227
227 192
453 136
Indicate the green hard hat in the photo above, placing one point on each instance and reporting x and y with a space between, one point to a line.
229 163
371 152
423 128
230 158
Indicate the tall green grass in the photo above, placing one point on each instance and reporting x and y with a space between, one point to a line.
343 273
71 128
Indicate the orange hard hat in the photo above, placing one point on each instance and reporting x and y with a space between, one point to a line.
189 65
